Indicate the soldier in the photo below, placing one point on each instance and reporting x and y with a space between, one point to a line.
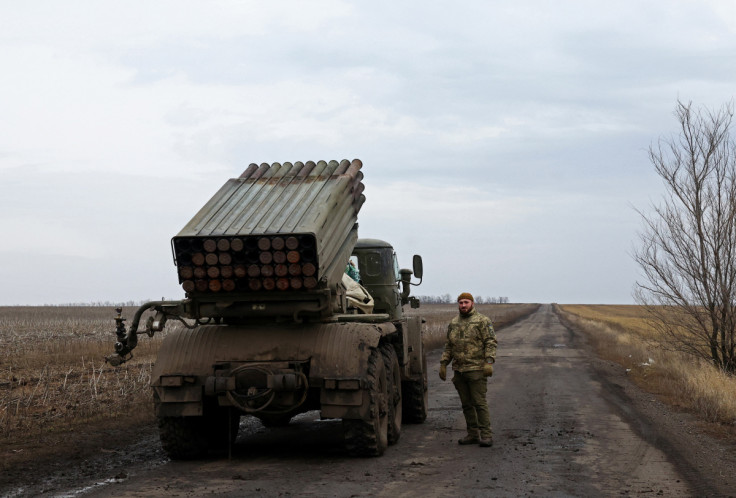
471 347
352 271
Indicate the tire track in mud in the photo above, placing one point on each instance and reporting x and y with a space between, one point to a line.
704 462
571 442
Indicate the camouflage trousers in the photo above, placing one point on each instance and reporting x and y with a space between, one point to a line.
472 387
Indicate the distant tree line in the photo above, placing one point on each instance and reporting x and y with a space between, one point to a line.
104 304
447 299
443 299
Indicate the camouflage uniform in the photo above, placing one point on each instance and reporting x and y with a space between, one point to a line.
352 271
471 343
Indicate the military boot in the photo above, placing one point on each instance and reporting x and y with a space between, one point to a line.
486 442
468 440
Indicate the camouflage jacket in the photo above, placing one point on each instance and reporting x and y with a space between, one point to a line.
471 342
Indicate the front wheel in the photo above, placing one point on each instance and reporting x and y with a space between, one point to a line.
395 405
416 397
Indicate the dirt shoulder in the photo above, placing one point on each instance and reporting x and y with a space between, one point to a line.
64 459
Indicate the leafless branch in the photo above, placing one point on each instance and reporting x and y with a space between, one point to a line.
687 249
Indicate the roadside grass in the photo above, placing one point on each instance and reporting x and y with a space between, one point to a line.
437 316
624 334
53 377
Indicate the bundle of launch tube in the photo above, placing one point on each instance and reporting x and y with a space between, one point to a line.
277 227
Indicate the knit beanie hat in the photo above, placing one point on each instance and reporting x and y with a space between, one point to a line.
465 295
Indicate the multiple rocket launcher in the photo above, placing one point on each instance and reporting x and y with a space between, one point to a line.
277 227
246 263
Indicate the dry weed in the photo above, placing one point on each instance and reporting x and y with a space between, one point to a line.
437 316
53 375
623 334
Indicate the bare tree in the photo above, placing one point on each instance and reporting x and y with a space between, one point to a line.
688 243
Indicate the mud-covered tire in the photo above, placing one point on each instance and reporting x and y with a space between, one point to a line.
416 397
395 404
183 438
366 438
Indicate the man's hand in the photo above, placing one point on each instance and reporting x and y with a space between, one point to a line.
443 371
488 369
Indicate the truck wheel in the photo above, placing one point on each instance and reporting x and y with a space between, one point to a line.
395 407
370 437
416 397
183 438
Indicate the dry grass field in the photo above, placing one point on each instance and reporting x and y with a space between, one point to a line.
623 334
53 377
437 316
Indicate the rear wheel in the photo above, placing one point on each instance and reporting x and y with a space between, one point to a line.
183 438
395 408
370 437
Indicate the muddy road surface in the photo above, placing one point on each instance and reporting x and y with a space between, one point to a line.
565 424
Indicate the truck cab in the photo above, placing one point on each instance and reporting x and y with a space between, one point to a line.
380 275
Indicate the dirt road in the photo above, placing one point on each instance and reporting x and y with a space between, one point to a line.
565 424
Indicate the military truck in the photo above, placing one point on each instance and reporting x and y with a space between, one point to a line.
272 324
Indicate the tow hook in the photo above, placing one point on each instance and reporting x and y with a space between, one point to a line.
218 385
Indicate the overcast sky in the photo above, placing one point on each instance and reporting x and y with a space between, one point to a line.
505 142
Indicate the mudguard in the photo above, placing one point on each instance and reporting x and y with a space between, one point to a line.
335 350
414 368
